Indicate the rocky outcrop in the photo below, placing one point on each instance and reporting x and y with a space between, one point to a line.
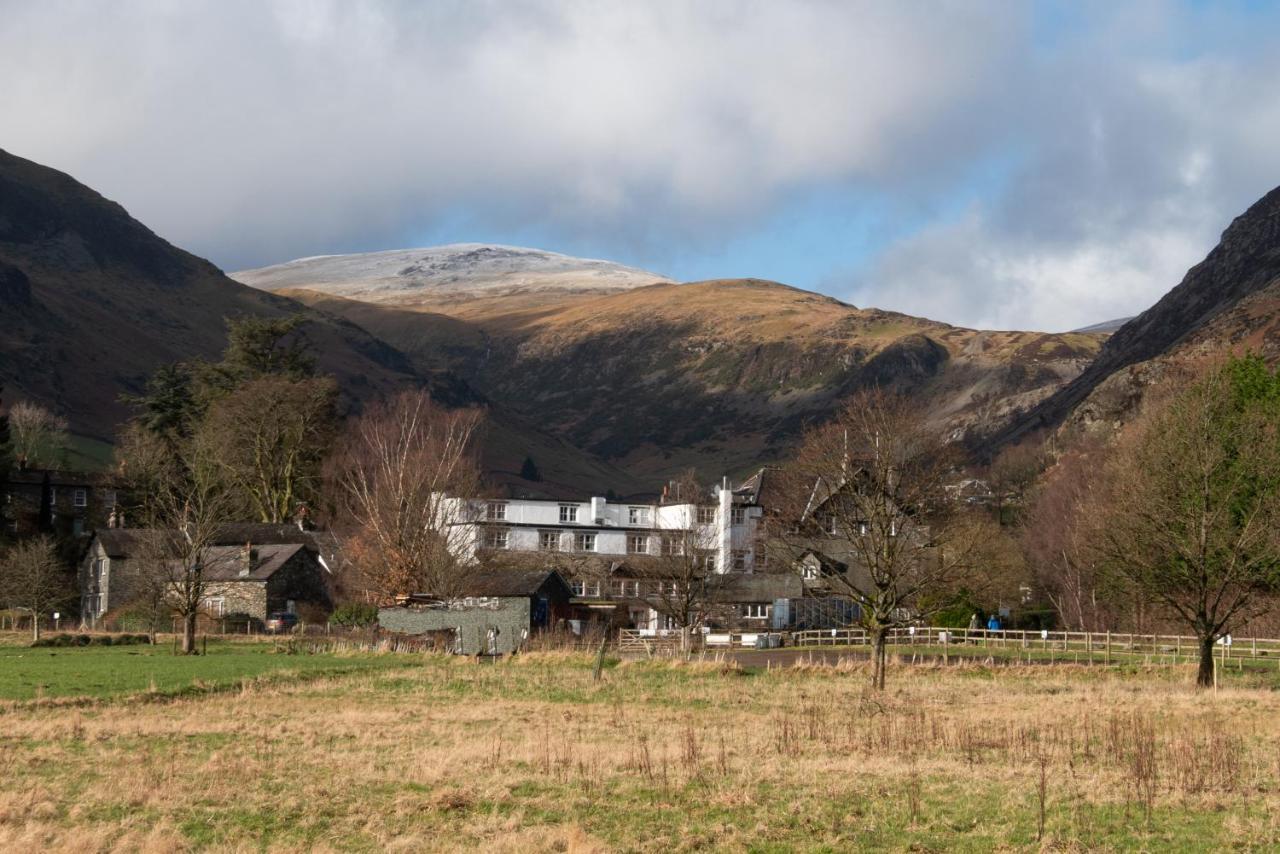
1245 262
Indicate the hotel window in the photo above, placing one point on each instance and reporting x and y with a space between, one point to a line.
548 541
568 512
584 542
672 545
738 515
496 538
637 544
756 612
706 515
740 559
496 511
638 515
80 498
590 588
626 588
576 586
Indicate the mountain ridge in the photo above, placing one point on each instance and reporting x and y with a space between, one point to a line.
1244 264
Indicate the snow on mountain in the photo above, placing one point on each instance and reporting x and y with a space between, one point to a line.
458 270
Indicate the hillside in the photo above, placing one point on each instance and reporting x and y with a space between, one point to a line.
1227 301
93 302
721 375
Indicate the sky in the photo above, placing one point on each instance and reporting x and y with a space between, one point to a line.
999 165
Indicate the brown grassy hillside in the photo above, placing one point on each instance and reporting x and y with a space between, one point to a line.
721 375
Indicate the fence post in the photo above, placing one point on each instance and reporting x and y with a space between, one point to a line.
1108 646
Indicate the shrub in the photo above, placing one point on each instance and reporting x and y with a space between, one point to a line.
355 615
135 618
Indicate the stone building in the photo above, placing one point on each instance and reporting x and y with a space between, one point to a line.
253 569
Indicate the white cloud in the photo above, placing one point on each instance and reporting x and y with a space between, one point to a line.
252 131
255 130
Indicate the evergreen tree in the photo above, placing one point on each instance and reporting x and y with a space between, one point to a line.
529 471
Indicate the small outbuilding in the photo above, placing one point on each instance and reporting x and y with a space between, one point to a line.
496 613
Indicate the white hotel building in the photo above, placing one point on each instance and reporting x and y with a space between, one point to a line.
725 526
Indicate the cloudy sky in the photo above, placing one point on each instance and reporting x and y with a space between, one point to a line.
992 164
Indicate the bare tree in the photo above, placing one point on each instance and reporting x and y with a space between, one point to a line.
38 435
268 438
867 489
32 577
408 483
1192 504
1057 536
189 506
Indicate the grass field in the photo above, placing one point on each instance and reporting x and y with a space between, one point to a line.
432 753
94 671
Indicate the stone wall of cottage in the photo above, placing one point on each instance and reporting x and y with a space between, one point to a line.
241 597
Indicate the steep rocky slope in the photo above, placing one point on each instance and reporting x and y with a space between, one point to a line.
1227 301
720 375
92 302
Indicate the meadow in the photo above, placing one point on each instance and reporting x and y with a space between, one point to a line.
424 752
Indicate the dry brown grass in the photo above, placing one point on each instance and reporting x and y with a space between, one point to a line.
532 755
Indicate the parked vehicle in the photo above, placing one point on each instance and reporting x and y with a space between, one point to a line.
281 622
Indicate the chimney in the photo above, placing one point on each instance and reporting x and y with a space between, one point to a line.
597 509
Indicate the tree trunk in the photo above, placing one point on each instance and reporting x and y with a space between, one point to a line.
35 626
1204 677
189 633
878 636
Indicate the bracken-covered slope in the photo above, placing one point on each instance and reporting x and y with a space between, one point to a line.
718 375
1228 300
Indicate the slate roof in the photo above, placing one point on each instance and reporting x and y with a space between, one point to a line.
759 587
226 563
123 542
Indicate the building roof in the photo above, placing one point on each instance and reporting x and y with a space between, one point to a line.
759 587
503 584
57 477
227 563
126 542
761 488
512 582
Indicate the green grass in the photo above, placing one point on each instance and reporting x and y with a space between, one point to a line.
28 673
84 453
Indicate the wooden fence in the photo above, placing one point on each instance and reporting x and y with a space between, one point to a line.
1040 644
1091 643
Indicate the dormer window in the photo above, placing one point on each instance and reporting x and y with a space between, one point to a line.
568 512
496 511
638 515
